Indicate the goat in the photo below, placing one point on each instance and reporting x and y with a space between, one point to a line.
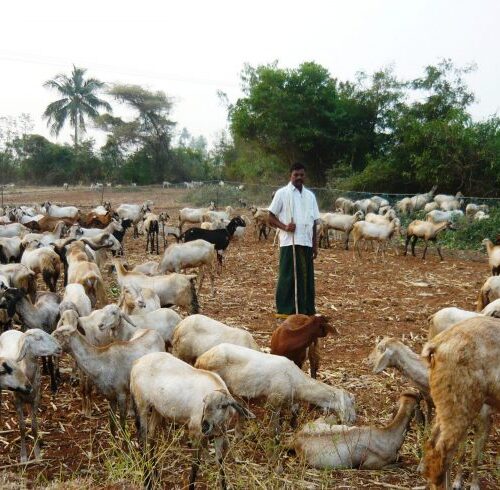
428 232
135 300
61 212
82 271
151 227
46 238
13 229
463 361
174 289
493 256
43 261
408 205
197 253
489 292
193 215
134 213
438 216
25 348
380 233
298 335
75 299
390 352
324 445
48 223
219 238
100 363
176 391
11 249
43 314
344 205
253 374
261 221
340 222
197 334
20 276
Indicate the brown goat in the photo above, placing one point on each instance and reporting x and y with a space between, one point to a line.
298 335
463 375
48 223
94 220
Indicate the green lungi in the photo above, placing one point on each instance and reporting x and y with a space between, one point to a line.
285 292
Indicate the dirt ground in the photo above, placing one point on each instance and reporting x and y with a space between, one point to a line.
366 300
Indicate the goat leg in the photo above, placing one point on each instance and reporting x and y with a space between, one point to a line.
22 429
53 380
196 464
221 445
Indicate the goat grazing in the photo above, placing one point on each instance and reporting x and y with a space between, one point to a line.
193 215
252 374
428 232
197 334
298 335
324 445
176 391
381 233
463 362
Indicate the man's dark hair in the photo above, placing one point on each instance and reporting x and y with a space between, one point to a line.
297 166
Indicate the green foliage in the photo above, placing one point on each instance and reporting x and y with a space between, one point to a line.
469 235
302 114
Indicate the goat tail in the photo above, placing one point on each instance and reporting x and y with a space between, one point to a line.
49 270
482 299
194 306
99 291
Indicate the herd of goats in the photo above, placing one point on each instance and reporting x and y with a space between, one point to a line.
141 355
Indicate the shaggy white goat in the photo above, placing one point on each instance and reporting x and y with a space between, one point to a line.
176 391
198 333
101 364
25 348
253 374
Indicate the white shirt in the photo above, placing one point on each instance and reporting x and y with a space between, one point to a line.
288 203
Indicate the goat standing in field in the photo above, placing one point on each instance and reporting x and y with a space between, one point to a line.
298 335
463 376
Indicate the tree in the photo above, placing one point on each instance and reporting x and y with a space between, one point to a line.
302 114
78 102
150 132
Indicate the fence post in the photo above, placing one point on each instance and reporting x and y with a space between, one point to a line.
102 194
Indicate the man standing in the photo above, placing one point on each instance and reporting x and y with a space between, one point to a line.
294 211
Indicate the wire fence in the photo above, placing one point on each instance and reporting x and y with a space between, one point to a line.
222 193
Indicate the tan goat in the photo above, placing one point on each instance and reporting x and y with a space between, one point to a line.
428 232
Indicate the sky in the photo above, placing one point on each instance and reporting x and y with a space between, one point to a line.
192 49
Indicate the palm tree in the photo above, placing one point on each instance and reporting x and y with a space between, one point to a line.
79 100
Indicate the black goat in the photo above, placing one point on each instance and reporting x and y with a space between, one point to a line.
126 224
220 238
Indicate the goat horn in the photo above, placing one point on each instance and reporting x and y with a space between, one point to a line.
128 320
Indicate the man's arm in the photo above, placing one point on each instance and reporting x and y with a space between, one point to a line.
274 221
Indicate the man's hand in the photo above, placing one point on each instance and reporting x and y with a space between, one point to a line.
290 227
315 251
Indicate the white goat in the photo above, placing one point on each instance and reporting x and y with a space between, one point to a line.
253 374
100 363
438 216
176 391
25 348
324 445
75 298
133 212
43 261
340 222
381 233
192 215
135 300
10 249
198 253
13 229
197 334
174 289
61 212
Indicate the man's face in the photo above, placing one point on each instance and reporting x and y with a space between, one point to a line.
297 178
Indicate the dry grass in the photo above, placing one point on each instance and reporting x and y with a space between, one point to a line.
365 299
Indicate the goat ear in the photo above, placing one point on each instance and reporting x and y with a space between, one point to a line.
23 351
242 411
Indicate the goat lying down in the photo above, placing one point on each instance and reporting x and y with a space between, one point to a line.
324 445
